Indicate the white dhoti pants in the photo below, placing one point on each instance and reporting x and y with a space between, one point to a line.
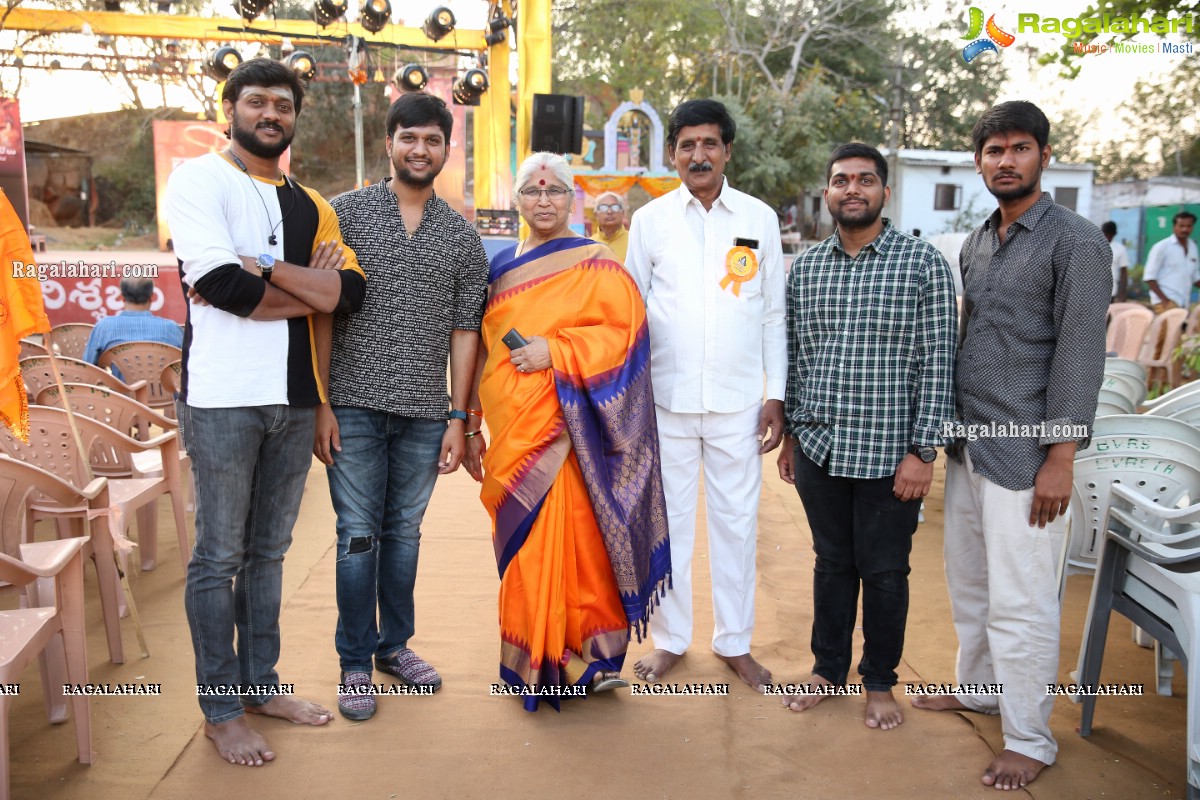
1003 581
726 446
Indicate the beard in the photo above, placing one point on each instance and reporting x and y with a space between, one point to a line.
863 217
252 144
405 176
1022 189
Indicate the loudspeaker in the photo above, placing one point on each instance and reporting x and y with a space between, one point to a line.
557 124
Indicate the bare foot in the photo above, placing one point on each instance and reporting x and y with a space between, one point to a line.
293 709
238 743
938 702
882 711
654 667
803 702
752 673
1011 770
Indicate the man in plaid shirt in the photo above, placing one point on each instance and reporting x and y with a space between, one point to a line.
871 341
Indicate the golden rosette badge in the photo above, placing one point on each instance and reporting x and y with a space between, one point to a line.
740 266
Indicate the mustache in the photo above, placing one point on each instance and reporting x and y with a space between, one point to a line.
705 167
1008 175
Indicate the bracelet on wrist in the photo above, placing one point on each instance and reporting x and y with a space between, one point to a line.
470 434
475 413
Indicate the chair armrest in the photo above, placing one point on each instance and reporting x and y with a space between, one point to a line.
1145 504
40 560
1185 561
1187 536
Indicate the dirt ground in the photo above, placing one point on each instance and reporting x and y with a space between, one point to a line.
465 743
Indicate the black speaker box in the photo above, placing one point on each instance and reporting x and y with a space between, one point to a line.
557 124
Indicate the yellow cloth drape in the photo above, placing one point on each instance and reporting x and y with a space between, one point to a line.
21 314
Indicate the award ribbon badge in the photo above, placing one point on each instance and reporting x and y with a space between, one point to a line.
740 266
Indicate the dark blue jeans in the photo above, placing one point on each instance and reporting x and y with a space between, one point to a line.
861 533
250 465
380 484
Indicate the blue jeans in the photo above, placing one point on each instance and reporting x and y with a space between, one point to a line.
380 484
861 534
250 465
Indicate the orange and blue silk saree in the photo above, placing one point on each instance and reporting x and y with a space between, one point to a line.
572 476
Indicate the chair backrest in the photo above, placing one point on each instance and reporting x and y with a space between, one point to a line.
30 349
1192 326
115 410
1146 425
1165 480
1125 366
38 375
172 377
1190 415
144 361
1110 409
1115 399
1128 331
1117 309
19 484
1127 386
53 447
1142 446
1185 389
1158 350
70 340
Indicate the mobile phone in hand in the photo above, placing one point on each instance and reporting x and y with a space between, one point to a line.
514 340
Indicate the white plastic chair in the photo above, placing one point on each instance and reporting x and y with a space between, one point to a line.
1149 572
1112 409
1125 366
1125 385
1160 468
1174 394
1142 425
1176 405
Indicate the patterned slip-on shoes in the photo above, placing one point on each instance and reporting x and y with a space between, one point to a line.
354 698
410 668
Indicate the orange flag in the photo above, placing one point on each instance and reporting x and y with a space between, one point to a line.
21 313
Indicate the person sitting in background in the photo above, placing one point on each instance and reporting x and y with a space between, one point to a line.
610 224
135 323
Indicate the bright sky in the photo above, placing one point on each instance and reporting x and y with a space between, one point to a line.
1104 82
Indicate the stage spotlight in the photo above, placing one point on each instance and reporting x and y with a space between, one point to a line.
303 63
249 9
497 29
375 14
326 12
439 23
222 62
470 87
411 78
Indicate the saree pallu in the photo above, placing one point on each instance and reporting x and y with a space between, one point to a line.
572 475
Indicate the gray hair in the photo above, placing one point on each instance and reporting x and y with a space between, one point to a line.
137 290
551 161
620 200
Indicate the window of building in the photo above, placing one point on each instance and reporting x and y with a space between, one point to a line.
1066 196
946 196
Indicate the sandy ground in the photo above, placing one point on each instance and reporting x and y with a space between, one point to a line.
462 742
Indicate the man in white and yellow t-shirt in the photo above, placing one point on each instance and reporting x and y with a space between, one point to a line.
258 255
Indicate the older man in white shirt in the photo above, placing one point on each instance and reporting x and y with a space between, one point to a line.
1173 265
709 263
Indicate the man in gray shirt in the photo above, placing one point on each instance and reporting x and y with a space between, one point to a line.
387 432
1036 287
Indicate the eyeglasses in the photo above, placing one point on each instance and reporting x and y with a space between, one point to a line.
606 207
553 192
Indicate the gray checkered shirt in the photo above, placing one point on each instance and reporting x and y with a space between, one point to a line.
870 352
1033 334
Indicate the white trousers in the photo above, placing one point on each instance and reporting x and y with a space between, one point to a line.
726 445
1003 581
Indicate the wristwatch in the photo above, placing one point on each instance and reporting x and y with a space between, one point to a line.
456 414
266 263
926 454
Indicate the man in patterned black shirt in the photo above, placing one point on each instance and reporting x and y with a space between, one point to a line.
871 336
1036 287
384 435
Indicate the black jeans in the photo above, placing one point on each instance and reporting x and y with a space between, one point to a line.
860 532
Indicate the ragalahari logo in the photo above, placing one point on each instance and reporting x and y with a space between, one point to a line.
994 37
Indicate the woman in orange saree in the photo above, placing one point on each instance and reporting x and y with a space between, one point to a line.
571 478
